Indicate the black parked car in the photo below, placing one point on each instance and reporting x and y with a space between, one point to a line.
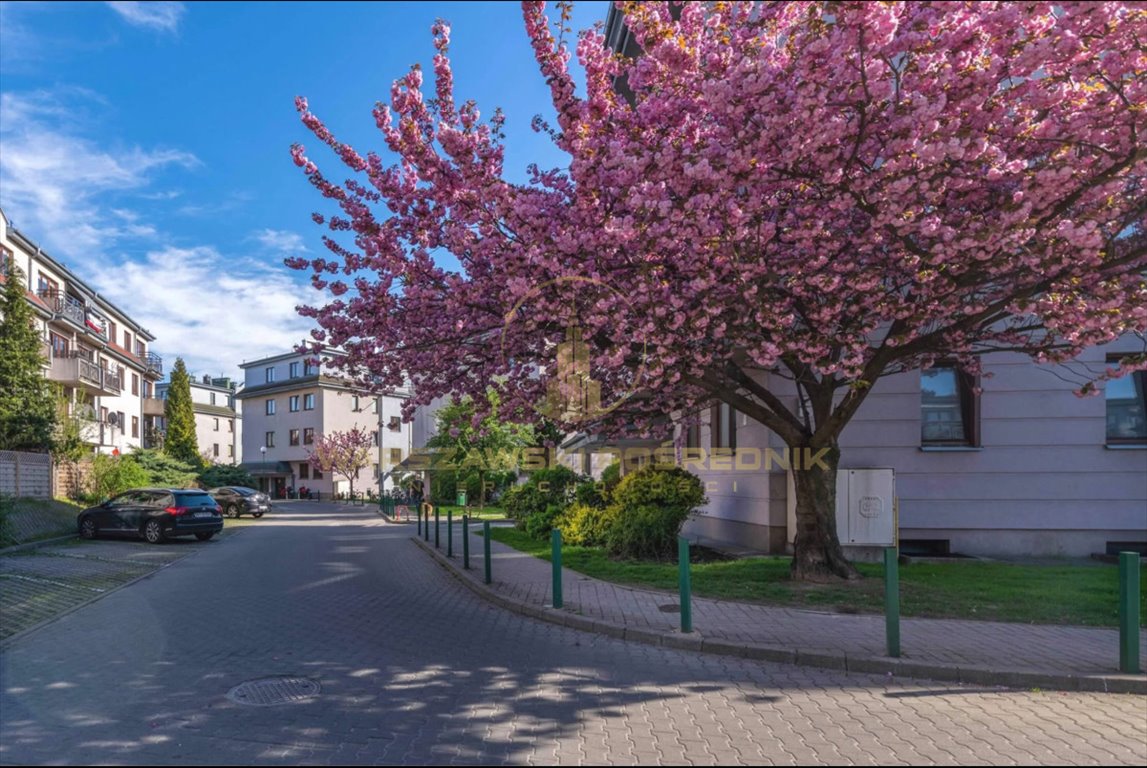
235 500
155 514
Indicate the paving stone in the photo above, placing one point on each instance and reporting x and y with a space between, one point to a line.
416 669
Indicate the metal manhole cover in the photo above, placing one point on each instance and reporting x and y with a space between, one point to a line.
274 690
669 608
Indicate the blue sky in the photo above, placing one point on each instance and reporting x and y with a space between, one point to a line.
146 144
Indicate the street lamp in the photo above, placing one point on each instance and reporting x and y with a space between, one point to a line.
263 450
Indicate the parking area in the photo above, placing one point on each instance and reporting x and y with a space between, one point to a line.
40 584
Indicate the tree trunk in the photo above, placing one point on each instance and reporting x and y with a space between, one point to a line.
817 555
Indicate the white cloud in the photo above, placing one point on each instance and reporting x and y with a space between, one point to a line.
51 177
162 16
208 308
281 240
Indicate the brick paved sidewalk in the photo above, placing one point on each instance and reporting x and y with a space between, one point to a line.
979 652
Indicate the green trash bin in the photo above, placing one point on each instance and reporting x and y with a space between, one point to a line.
461 498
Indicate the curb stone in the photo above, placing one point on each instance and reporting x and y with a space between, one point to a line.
971 675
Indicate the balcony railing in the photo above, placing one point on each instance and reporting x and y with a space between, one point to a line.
153 364
77 370
152 406
71 309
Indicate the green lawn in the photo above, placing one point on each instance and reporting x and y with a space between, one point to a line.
1068 594
491 512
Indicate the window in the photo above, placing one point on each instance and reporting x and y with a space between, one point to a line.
374 438
103 415
269 442
374 406
147 389
354 403
213 398
375 466
216 425
949 407
231 451
294 437
119 373
310 369
271 407
317 474
60 345
395 423
723 426
215 450
121 421
308 402
293 403
308 436
269 373
230 425
111 331
1127 408
126 340
135 426
395 455
46 286
294 370
135 383
304 471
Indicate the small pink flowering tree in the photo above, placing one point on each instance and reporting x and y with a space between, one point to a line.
789 202
342 453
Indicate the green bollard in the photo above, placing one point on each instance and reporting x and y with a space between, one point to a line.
420 522
437 529
466 542
1129 612
450 533
685 584
892 600
556 559
486 545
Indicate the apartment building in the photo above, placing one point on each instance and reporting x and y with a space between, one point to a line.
98 353
218 417
289 402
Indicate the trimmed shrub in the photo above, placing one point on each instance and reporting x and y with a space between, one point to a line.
590 494
649 507
224 474
584 525
163 470
539 523
537 504
611 476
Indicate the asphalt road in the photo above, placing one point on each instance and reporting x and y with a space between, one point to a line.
413 668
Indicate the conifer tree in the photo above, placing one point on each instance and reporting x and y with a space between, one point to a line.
27 398
180 442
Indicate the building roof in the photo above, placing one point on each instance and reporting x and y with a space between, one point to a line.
289 355
79 284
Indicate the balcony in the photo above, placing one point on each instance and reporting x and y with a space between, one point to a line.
73 310
152 406
152 363
76 370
